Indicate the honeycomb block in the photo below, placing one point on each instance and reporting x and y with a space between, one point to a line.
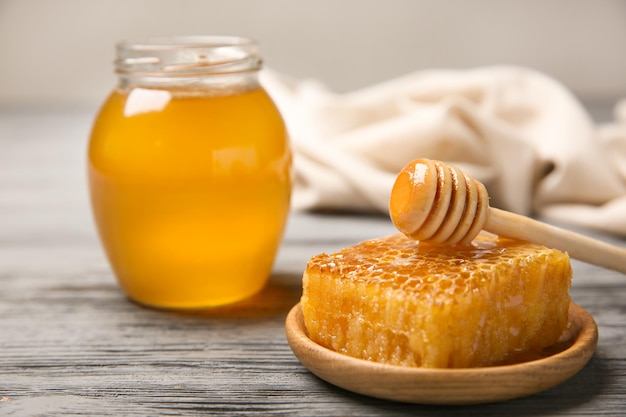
398 301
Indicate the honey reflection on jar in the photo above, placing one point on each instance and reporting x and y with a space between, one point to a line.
190 190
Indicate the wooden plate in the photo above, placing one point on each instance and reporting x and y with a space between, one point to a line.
448 386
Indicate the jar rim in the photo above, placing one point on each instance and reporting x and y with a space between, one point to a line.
184 42
187 56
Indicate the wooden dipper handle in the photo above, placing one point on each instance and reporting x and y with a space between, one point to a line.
435 202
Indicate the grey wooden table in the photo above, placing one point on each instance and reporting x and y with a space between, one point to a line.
72 344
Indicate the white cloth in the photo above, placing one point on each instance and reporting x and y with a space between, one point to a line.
519 132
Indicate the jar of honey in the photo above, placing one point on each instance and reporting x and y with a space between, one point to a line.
189 172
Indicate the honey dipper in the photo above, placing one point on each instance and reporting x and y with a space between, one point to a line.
435 202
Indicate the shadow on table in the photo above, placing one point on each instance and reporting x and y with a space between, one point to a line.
592 382
280 294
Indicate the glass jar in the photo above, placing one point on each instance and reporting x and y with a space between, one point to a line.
189 172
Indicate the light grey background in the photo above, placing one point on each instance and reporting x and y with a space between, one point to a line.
60 51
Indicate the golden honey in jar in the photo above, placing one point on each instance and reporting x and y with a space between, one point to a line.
189 172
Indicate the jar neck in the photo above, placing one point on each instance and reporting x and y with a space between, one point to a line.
192 62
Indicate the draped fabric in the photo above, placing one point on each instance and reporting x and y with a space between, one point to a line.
518 131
